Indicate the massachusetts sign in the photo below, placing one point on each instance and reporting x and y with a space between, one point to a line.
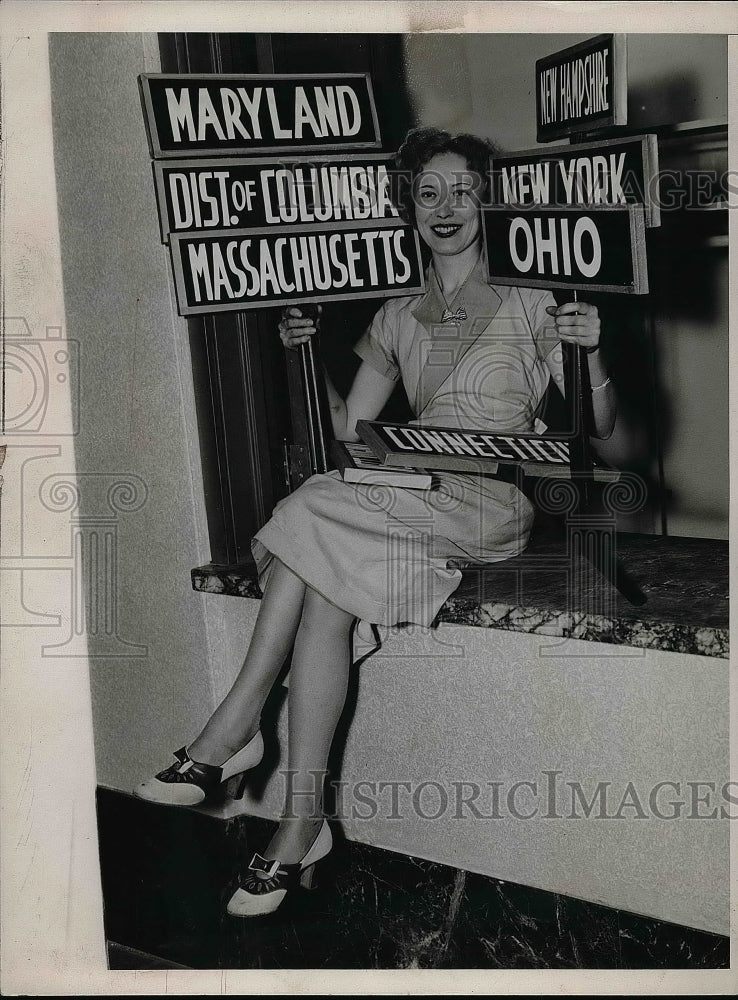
249 268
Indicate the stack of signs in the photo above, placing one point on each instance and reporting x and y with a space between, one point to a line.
246 230
575 216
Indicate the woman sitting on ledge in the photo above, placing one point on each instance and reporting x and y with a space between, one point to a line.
471 355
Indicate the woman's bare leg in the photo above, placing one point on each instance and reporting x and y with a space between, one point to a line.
317 693
236 719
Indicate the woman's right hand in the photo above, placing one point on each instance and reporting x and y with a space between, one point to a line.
298 325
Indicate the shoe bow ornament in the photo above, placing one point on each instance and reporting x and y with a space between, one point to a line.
453 317
206 776
278 876
259 864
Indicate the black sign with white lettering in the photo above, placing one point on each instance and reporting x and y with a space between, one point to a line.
602 249
581 87
611 172
217 114
243 269
456 449
201 195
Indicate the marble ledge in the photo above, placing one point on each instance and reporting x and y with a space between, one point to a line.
672 636
235 581
684 583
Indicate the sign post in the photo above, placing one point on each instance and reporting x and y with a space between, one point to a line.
596 248
574 217
269 194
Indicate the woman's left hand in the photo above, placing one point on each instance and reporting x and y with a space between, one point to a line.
577 323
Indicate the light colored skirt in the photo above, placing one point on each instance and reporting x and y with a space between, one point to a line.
390 555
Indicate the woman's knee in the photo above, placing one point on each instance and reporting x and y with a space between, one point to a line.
322 613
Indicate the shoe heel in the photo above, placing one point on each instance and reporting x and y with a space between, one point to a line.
236 786
307 878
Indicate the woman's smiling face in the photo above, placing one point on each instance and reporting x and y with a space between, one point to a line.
447 204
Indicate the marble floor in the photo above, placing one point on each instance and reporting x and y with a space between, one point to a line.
168 873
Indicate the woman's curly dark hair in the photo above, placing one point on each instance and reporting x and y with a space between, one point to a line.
420 146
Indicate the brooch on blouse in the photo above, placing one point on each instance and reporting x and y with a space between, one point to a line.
453 317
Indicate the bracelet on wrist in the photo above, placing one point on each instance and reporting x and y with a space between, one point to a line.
594 388
591 350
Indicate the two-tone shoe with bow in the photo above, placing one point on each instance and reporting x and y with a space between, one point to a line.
188 782
266 882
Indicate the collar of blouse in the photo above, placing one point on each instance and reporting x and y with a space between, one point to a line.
475 304
472 309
